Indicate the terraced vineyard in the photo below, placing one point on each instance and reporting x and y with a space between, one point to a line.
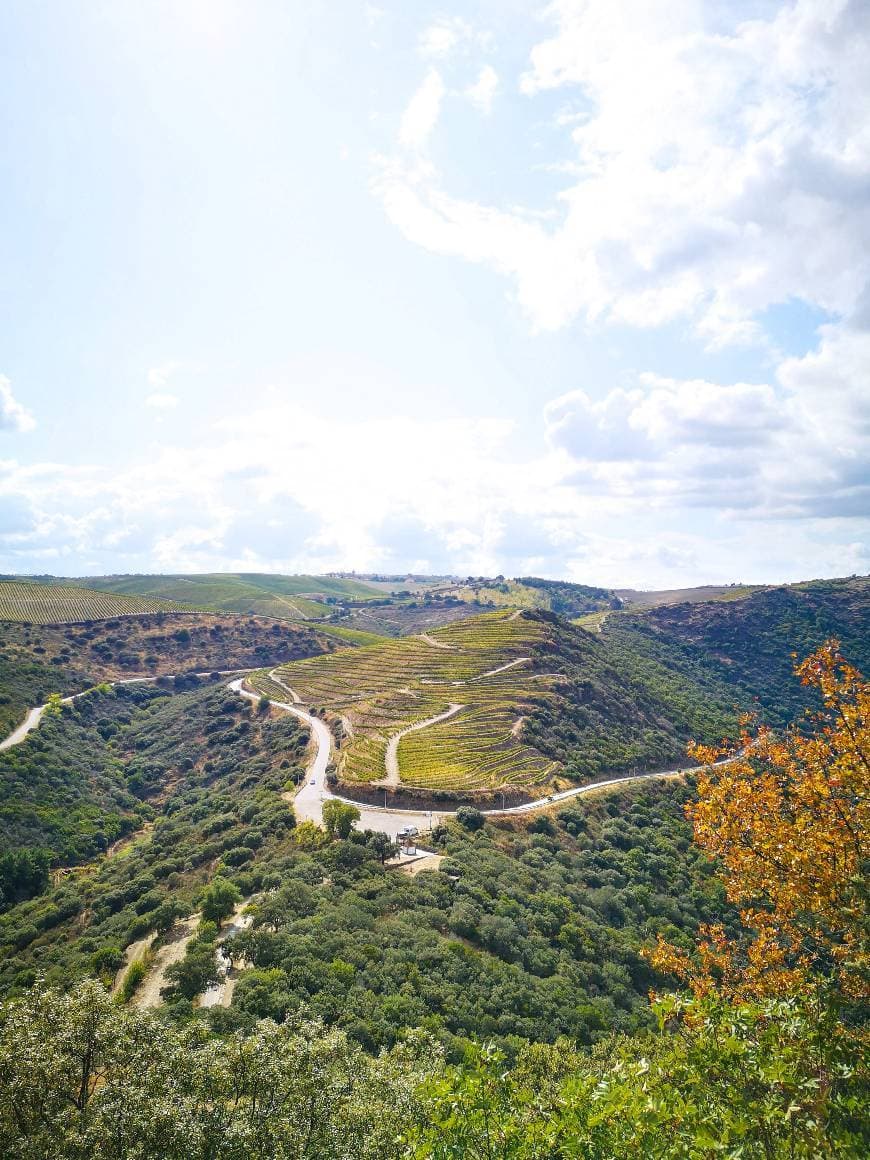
485 664
63 604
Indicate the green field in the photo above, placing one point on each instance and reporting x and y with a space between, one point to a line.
282 597
382 689
352 636
65 603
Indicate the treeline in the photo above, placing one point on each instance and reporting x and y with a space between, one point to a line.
569 599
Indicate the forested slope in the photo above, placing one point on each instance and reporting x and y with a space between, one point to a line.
527 931
744 650
39 659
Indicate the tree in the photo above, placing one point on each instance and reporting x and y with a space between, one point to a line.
470 818
339 817
195 972
54 705
81 1076
219 900
788 819
382 845
309 836
23 874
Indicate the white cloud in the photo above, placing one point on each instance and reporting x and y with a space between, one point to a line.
659 481
797 449
161 400
13 415
482 92
723 165
443 36
421 114
159 376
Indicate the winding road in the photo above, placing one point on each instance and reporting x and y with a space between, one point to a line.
308 802
309 799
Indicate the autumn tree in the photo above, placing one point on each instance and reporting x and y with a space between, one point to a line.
787 819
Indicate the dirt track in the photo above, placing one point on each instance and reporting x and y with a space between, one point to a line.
148 992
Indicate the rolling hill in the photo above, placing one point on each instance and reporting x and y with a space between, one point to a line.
747 643
57 603
505 700
524 701
284 597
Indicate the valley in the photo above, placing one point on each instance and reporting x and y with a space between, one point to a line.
165 833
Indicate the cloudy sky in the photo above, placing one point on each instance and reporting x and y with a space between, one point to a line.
579 288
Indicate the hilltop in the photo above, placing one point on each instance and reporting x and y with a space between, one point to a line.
749 643
524 701
264 594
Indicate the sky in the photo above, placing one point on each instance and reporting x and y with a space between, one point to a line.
578 289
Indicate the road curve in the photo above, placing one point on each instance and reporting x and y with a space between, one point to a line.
308 802
29 723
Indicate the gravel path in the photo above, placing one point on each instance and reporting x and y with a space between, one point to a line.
147 993
294 696
436 643
220 994
133 952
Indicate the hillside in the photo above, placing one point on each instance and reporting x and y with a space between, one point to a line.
747 644
559 596
522 700
128 809
56 603
506 700
284 597
37 660
404 615
522 922
636 599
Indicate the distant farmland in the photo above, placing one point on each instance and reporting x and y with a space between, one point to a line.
62 603
282 597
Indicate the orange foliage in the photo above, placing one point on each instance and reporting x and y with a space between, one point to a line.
788 821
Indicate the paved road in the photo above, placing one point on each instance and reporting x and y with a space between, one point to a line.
29 723
308 802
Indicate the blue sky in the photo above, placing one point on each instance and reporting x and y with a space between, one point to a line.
579 289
